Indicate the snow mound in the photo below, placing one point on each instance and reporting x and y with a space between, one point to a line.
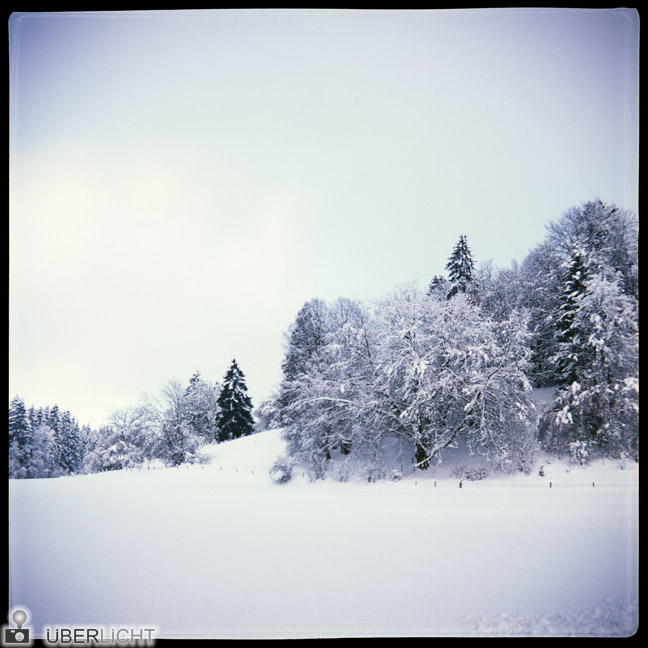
609 620
255 452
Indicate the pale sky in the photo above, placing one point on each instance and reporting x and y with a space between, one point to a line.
181 182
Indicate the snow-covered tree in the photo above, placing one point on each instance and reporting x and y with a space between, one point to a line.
267 414
45 442
200 408
234 418
460 267
20 440
169 436
67 444
306 338
447 373
122 444
540 288
596 409
304 343
419 372
607 233
605 238
438 284
42 463
571 355
325 411
499 289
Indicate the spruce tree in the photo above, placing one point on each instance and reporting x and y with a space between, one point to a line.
305 344
307 338
68 444
571 355
437 284
596 409
460 267
234 418
19 439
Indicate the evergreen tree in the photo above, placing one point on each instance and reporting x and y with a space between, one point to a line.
438 283
307 337
460 267
52 418
540 292
597 412
35 417
323 412
19 439
306 340
41 455
234 418
608 233
68 445
571 356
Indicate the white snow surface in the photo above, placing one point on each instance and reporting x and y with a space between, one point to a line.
220 551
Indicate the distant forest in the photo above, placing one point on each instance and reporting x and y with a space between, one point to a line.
47 442
413 373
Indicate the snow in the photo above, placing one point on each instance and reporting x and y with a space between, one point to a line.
217 550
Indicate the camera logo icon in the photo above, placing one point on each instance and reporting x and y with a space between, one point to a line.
19 635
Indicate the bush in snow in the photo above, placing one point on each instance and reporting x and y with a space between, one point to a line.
470 473
281 471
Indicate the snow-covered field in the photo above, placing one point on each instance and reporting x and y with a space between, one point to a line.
220 551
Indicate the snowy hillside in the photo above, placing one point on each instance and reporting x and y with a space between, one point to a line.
219 550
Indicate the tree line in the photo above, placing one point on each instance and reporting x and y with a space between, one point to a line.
414 373
47 442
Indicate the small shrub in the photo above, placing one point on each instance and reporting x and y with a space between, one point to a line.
198 459
281 471
341 472
374 473
471 474
579 452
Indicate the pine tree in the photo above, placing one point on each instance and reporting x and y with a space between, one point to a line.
19 439
460 267
41 455
234 418
68 445
571 357
608 234
52 418
597 412
306 340
437 284
307 337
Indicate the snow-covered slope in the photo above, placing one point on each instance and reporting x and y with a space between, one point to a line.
219 550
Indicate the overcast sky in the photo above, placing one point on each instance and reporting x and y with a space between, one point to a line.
182 182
